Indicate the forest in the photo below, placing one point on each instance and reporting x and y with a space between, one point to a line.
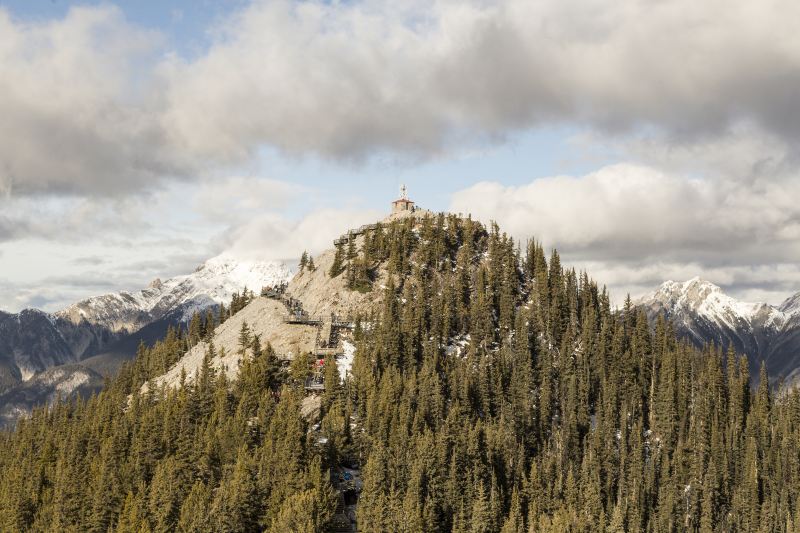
493 390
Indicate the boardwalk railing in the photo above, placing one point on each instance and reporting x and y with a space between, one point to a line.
314 384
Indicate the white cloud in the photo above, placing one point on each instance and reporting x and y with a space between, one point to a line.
702 95
347 80
76 117
236 198
632 226
93 105
273 237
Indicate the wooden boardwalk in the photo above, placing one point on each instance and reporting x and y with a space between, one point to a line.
328 339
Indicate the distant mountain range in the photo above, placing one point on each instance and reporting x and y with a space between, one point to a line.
44 355
701 312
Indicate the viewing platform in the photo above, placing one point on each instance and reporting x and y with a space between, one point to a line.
353 233
303 319
323 353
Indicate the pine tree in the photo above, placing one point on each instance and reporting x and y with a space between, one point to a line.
338 260
245 338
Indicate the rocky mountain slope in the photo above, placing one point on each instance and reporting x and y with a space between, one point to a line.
211 283
94 336
703 313
319 295
32 341
46 387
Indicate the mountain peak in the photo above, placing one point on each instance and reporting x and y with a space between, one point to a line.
211 283
701 297
691 292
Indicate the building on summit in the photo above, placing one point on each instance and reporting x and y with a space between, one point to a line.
403 203
401 208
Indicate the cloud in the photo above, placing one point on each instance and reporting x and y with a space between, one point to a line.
244 197
75 219
349 80
633 226
99 117
272 237
90 260
93 105
80 113
52 295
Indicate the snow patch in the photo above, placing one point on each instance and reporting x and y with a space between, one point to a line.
344 363
791 306
26 373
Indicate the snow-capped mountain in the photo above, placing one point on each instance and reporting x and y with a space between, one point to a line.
97 334
703 313
211 283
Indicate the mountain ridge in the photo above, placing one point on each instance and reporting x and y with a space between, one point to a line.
95 335
211 283
703 313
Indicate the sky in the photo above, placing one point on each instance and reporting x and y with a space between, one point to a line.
645 140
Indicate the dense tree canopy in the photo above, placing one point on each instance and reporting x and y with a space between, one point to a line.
493 390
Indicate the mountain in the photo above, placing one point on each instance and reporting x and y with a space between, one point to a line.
211 283
32 341
318 294
701 312
94 336
46 387
459 387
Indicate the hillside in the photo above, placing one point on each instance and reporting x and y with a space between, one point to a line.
264 317
490 389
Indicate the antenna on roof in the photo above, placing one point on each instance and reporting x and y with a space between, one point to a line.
403 192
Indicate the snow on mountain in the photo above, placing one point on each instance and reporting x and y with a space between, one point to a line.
702 298
211 283
43 355
701 312
791 306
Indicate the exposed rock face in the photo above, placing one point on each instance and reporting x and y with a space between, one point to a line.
264 317
45 388
703 313
322 295
32 341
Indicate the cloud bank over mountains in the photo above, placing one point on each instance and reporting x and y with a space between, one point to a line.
115 111
633 226
695 100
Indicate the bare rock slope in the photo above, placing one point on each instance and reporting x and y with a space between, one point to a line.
322 295
264 317
319 295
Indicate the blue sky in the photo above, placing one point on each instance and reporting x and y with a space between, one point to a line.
142 138
184 24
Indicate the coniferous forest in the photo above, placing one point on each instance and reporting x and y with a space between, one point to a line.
493 390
